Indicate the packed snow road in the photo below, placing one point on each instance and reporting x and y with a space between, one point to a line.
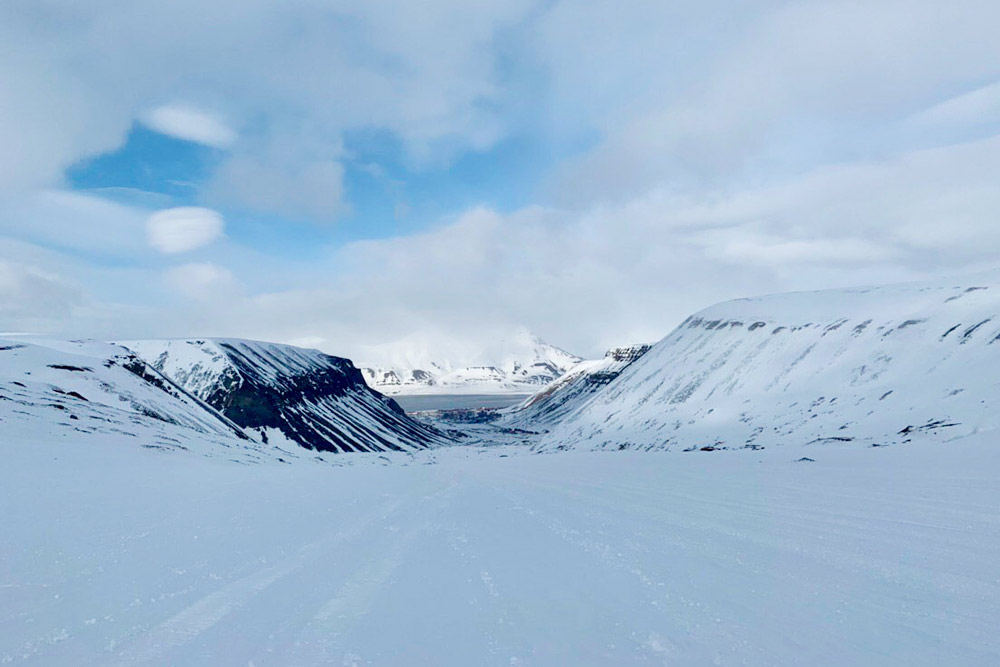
462 557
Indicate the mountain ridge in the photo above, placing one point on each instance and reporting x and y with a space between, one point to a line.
547 406
304 396
875 366
518 363
88 390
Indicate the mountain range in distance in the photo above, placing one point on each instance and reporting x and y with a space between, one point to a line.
516 363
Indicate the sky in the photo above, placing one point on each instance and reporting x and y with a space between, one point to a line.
347 174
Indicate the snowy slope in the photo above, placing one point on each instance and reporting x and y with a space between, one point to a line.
284 393
420 364
554 402
86 392
874 366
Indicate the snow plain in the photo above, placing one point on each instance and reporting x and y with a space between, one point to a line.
114 554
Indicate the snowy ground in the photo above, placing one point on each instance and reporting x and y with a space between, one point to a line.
468 556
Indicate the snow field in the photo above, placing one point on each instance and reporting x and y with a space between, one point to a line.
464 556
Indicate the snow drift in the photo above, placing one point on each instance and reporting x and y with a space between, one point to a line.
875 366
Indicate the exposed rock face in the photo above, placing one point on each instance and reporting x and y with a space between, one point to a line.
315 400
573 389
628 354
870 366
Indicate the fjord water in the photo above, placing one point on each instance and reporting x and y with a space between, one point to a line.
418 402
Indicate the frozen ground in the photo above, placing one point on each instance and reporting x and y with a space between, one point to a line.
467 557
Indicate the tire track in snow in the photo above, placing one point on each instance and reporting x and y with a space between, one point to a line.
192 621
734 515
714 536
321 640
650 643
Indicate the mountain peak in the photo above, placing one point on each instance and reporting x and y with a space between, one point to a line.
514 362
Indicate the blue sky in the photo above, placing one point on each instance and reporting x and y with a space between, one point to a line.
386 196
347 174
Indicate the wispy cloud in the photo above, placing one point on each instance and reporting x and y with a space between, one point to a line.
311 190
201 280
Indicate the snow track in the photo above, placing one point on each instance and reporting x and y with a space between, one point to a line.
863 556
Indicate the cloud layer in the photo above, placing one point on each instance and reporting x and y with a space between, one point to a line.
692 152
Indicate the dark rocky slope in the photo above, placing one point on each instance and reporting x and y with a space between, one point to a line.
284 393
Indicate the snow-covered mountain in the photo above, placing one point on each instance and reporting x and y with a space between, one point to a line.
423 364
551 404
875 366
88 391
281 393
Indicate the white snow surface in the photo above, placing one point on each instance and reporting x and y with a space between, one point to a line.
460 556
872 366
195 365
421 363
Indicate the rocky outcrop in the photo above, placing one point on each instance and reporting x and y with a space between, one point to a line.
283 393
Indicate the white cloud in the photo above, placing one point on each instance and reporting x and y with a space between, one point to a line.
78 75
307 341
610 274
76 221
774 150
799 85
201 280
770 252
190 124
49 116
584 279
181 229
35 299
960 118
313 189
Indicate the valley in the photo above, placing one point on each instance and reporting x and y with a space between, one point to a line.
798 478
504 334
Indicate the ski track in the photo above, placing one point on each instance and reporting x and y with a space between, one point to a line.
587 558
